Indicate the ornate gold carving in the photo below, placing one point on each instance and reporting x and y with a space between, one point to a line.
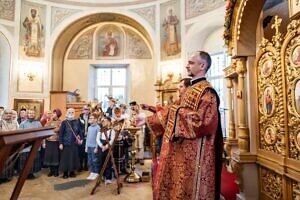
243 5
230 110
296 190
264 43
293 27
83 46
270 93
277 38
241 66
243 134
271 184
165 89
7 9
292 72
230 71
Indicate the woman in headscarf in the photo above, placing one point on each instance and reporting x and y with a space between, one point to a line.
46 117
7 124
69 137
51 144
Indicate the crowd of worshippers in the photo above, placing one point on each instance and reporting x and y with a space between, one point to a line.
78 143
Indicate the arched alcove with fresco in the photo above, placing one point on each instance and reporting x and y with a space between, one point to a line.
127 31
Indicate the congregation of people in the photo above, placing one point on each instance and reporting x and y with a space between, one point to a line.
77 144
188 133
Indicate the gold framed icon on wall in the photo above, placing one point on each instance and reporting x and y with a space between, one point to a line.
296 95
30 104
297 139
267 67
270 135
169 97
295 55
268 100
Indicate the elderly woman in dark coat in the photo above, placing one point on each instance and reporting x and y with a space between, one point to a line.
69 137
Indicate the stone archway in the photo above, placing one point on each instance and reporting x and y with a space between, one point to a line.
65 38
5 64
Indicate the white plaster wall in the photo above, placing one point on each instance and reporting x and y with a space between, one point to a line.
141 78
5 63
214 42
205 32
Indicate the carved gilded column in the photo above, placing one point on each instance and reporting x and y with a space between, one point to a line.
232 135
243 134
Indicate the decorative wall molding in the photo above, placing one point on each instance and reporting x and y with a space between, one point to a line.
83 46
60 14
7 10
148 13
296 190
136 48
195 8
271 184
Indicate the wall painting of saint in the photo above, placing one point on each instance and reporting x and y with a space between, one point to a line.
296 56
170 30
297 96
32 31
268 101
270 135
267 68
110 43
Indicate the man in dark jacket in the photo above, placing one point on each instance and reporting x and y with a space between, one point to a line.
83 120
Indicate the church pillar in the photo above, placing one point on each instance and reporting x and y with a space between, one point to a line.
243 134
232 135
231 143
243 162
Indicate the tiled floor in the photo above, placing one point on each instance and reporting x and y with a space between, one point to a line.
43 188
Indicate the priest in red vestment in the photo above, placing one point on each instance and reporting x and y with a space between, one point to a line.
191 155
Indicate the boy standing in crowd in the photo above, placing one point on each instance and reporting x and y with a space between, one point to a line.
91 147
